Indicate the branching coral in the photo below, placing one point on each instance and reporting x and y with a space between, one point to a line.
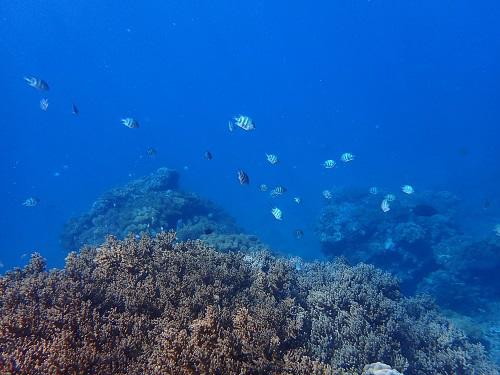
158 306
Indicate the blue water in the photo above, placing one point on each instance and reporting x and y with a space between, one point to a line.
410 87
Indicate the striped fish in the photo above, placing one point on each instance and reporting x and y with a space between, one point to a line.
263 187
297 200
347 157
407 189
385 206
276 212
31 202
329 164
374 190
129 122
277 191
390 198
272 158
44 104
37 83
243 177
327 194
244 122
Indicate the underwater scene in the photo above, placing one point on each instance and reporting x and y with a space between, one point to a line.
266 187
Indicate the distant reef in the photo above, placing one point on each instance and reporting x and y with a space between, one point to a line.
155 305
150 204
420 240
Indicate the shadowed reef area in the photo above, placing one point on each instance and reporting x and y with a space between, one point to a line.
157 306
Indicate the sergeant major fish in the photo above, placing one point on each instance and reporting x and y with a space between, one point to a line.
243 177
278 191
276 212
130 122
407 189
31 202
243 122
44 104
329 164
347 157
37 83
272 158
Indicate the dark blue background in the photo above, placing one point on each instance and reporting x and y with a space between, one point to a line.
410 87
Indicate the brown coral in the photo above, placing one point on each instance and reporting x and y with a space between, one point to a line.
158 307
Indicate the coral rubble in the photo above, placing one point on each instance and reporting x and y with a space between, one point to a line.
150 204
157 306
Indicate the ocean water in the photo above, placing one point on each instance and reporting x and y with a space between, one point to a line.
410 88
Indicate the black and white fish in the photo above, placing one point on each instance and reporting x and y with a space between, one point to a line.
263 187
329 164
277 191
152 152
299 233
129 122
297 200
243 177
327 194
208 155
277 213
243 122
272 158
74 109
385 205
347 157
31 202
373 190
407 189
37 83
44 104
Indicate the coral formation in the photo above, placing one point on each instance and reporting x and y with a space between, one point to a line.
401 241
150 204
157 306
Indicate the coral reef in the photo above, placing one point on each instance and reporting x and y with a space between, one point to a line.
157 306
150 204
400 241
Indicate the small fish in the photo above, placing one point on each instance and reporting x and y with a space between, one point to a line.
373 190
208 155
31 202
384 206
407 189
299 233
272 158
297 200
44 104
243 177
496 229
327 194
152 152
390 197
278 191
37 83
329 164
244 122
230 126
347 157
74 109
263 187
130 123
276 212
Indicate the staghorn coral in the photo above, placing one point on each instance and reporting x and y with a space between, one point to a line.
158 306
234 242
150 204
